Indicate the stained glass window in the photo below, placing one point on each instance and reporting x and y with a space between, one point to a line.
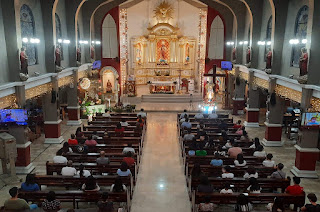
28 31
59 32
269 29
300 33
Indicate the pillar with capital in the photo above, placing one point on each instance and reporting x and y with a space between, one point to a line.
239 93
307 152
253 107
73 102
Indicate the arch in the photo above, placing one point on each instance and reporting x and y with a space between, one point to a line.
115 74
58 32
251 22
269 29
28 31
54 9
109 38
216 40
300 32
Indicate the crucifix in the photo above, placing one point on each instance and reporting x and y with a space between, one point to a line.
213 75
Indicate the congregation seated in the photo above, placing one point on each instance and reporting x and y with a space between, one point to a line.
227 189
223 125
313 206
229 144
237 125
106 113
51 203
244 136
295 189
69 170
15 203
90 184
124 123
90 141
213 115
254 186
199 116
82 172
105 205
240 161
226 172
216 161
205 186
240 130
220 151
260 153
234 151
193 148
269 162
30 184
201 152
124 170
182 115
118 186
279 174
102 160
243 204
186 124
142 113
251 172
129 159
72 140
276 206
127 149
59 158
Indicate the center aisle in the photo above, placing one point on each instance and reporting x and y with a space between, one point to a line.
161 185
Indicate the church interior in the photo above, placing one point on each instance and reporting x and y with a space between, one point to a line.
159 105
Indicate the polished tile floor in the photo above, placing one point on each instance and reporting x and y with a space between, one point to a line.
161 183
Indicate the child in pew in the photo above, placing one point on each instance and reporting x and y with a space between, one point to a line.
226 172
207 206
227 189
243 204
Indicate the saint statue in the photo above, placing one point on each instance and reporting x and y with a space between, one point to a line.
209 91
268 58
187 53
92 51
138 53
303 63
248 54
58 56
79 55
24 60
109 87
234 54
217 87
163 51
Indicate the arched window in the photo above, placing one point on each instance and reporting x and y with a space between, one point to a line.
28 31
59 32
216 42
300 32
269 29
109 38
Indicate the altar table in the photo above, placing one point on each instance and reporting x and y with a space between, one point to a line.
167 87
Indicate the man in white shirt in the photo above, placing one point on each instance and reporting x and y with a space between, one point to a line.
124 123
128 149
142 113
213 115
269 162
68 170
199 116
59 158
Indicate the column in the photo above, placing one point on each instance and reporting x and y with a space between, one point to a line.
239 91
274 117
52 121
73 104
307 152
71 7
253 107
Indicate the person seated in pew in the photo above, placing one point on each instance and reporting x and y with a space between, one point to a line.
129 159
206 206
188 136
196 172
59 158
279 174
118 186
193 147
260 153
276 206
234 151
240 162
106 113
199 116
72 140
142 113
30 184
140 122
90 141
295 189
200 126
17 204
216 161
79 133
254 186
226 172
124 170
243 204
313 207
213 115
237 125
82 148
244 136
119 129
82 172
183 119
240 130
223 125
51 203
251 172
95 135
65 149
227 189
140 118
229 144
124 123
102 160
205 186
138 127
220 151
90 184
128 148
268 162
105 205
69 170
186 124
182 115
201 151
256 143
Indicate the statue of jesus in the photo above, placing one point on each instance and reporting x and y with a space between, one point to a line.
163 50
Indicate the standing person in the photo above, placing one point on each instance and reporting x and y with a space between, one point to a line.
90 141
15 203
313 207
105 205
51 203
103 160
30 184
69 170
72 140
243 204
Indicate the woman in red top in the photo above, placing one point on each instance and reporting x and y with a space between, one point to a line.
129 159
237 125
73 140
119 128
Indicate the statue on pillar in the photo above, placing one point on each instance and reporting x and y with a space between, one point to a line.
209 91
109 87
58 56
248 55
79 55
303 63
234 54
24 61
268 58
92 51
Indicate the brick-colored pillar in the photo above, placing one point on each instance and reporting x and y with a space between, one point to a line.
252 117
23 162
52 131
238 106
273 135
74 116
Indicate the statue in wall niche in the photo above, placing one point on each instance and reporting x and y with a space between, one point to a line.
234 54
79 55
268 58
24 61
58 55
92 51
248 55
109 87
303 63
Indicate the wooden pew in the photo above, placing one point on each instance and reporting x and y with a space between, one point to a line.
245 150
263 198
113 133
118 140
104 127
191 115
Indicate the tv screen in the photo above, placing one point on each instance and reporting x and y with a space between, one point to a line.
96 65
226 65
18 116
310 119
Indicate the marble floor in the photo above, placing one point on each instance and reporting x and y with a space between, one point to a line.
161 185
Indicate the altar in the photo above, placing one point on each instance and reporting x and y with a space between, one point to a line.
162 87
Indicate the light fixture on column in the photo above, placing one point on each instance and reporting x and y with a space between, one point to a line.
83 42
59 40
304 41
294 41
34 40
241 42
261 43
245 42
98 42
66 41
25 40
230 43
268 43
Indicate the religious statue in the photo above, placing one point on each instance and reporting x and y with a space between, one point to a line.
58 56
217 87
234 54
248 55
79 55
268 58
303 63
187 53
109 87
209 91
24 60
163 12
163 52
92 51
138 54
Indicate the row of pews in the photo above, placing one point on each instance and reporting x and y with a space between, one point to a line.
240 184
113 145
